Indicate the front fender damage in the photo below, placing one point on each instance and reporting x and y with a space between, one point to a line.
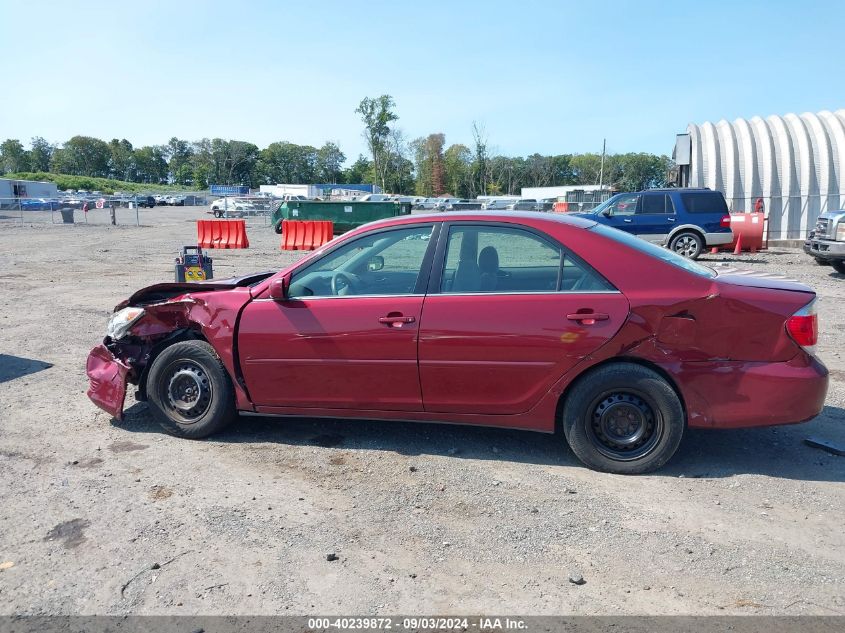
115 363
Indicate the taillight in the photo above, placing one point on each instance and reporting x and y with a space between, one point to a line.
725 222
803 327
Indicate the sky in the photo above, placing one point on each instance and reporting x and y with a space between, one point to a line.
550 77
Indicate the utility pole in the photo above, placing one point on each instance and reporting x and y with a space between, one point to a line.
601 169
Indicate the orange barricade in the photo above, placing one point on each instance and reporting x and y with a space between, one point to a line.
306 235
560 207
748 233
222 234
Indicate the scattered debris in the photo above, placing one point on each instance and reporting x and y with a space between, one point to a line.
576 579
7 565
331 556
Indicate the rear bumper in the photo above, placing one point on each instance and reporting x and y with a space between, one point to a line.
825 249
107 381
717 239
746 394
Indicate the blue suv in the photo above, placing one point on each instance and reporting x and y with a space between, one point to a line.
685 220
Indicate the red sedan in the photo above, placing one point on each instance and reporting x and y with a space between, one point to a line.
521 320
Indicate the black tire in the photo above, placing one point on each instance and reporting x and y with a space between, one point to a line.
687 244
822 262
190 373
838 265
218 213
278 227
628 394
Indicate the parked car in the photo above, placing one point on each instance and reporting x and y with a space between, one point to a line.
160 199
827 241
231 207
518 320
144 201
685 220
498 204
523 204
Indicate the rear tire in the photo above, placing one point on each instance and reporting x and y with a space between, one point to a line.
623 418
189 390
838 265
687 244
822 262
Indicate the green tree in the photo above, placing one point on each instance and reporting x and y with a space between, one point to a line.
640 171
377 115
179 153
122 160
361 171
82 156
429 165
40 154
151 164
13 157
284 162
457 167
329 163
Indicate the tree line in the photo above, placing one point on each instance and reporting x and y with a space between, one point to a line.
424 166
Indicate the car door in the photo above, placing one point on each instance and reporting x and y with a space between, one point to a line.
620 214
508 312
346 337
655 217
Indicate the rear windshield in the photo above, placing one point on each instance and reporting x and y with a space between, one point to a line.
655 251
705 202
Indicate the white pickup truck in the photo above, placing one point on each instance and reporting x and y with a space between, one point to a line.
827 241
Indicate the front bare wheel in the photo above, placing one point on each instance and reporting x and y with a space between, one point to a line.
623 418
189 390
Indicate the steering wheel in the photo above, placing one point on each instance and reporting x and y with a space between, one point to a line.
341 283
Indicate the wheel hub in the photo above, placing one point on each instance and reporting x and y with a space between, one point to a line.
623 426
189 390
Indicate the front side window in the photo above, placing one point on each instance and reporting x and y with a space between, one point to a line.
382 263
510 260
625 204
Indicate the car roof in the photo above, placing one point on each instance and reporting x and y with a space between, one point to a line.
516 217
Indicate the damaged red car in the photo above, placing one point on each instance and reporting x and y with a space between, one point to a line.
520 320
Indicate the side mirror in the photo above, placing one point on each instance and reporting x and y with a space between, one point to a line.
279 288
607 212
375 263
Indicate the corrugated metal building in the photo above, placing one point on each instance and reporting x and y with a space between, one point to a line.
795 163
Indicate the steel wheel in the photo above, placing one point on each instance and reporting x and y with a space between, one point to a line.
624 426
188 391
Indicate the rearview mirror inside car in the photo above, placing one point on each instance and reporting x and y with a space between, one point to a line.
375 263
279 288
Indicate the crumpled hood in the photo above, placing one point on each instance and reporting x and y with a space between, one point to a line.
168 290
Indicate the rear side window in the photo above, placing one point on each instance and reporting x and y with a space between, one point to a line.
658 252
705 202
657 203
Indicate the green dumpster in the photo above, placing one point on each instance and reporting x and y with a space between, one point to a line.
345 215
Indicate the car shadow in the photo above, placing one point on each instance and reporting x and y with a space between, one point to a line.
12 367
773 451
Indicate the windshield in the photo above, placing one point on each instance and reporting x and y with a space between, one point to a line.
653 250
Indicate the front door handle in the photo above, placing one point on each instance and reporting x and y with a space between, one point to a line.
588 318
627 220
395 320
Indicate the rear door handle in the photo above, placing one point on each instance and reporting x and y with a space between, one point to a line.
396 320
588 318
671 219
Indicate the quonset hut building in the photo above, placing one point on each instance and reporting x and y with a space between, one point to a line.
796 164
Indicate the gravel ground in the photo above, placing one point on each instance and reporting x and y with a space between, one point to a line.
100 517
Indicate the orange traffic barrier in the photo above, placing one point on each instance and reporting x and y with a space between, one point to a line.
222 234
306 235
560 207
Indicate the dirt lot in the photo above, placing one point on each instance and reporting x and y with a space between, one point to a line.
106 517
